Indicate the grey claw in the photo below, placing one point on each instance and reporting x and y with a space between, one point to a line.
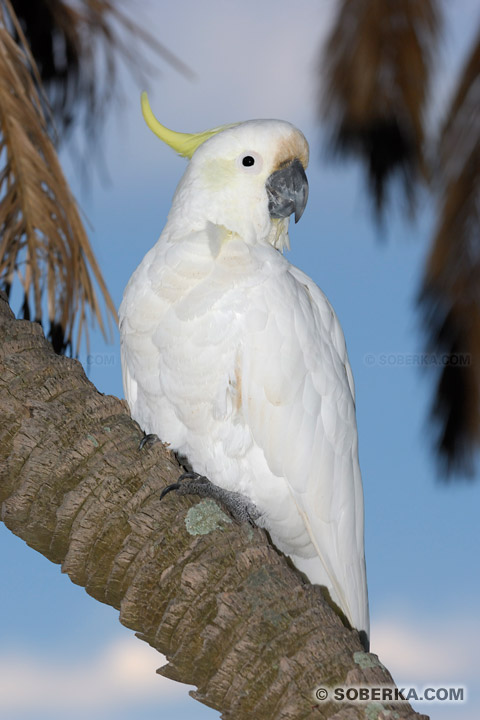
149 439
169 488
184 487
190 483
193 476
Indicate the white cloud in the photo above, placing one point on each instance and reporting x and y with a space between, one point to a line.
123 672
432 652
428 650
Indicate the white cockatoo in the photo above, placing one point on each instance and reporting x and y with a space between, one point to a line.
236 359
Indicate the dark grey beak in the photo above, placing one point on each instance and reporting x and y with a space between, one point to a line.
287 191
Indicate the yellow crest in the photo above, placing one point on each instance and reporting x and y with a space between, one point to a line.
183 143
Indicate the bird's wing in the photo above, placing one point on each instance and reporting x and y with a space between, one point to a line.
130 385
139 313
298 399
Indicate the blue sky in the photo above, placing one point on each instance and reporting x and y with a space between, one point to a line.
64 655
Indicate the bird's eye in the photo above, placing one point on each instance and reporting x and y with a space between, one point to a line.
250 162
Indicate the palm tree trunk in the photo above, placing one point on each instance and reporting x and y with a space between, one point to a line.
216 598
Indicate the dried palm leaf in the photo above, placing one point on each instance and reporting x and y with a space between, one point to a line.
77 45
42 239
376 68
450 296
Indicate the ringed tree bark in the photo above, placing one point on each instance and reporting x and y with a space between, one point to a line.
216 598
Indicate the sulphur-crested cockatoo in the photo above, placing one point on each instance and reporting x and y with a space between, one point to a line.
236 359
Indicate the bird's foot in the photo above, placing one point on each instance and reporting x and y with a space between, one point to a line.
190 483
149 439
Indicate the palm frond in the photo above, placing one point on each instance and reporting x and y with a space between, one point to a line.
376 69
77 45
450 295
42 239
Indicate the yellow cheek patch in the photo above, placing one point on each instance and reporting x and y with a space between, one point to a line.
218 172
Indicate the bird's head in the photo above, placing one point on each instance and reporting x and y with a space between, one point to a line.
248 177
